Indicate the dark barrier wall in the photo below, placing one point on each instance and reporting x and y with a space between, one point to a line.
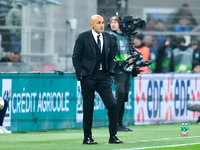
50 101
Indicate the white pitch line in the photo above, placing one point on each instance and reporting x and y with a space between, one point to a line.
139 148
162 139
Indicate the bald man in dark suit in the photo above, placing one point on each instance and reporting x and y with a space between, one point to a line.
93 60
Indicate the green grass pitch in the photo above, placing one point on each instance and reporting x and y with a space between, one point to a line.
165 137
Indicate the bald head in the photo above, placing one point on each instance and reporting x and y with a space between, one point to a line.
95 17
97 23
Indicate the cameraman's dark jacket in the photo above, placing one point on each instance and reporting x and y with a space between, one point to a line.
123 51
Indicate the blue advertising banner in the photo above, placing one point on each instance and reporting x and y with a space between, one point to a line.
51 101
39 101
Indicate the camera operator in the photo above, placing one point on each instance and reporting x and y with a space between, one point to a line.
121 78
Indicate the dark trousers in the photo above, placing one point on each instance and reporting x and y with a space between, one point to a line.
101 83
122 86
3 112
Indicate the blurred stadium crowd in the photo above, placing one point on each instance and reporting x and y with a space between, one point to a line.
39 36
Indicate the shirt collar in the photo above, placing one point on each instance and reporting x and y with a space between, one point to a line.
95 34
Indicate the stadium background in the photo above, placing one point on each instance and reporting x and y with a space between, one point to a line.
49 31
48 36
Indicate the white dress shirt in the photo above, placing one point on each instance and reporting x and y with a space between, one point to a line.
95 37
101 39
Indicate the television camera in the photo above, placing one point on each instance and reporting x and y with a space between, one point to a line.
134 61
130 24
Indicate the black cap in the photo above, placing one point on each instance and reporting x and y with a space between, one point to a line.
140 37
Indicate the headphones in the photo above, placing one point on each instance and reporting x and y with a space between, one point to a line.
117 18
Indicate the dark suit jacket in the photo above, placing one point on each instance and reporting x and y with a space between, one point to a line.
84 54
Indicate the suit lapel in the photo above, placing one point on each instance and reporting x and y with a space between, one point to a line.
105 45
92 42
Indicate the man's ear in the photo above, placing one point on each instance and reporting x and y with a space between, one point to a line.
91 24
